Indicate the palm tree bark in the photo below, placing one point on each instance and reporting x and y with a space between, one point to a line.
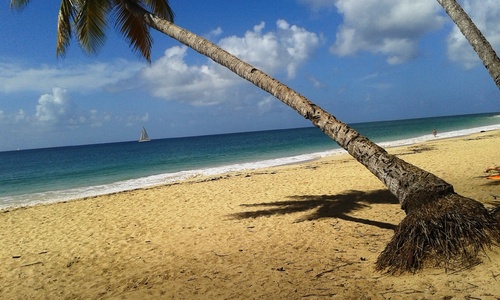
477 40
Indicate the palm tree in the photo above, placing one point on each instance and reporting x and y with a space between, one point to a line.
475 37
439 225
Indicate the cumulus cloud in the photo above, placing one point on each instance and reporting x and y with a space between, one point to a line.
486 16
388 27
54 107
286 48
58 109
283 50
171 77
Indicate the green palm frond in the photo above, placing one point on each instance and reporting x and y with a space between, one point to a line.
66 15
88 19
90 24
18 4
133 29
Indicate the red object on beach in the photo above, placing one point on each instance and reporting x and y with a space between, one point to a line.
494 177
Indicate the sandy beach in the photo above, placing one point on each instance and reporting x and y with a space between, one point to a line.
304 231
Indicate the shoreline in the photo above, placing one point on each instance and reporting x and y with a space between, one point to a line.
29 200
308 230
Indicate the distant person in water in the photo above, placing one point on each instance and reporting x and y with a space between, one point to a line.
434 132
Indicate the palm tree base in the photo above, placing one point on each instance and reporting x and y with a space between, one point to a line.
449 232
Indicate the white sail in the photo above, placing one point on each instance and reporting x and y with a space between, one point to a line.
144 136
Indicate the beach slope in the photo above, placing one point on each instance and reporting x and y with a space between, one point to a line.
305 231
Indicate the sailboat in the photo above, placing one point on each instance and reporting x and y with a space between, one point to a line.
144 136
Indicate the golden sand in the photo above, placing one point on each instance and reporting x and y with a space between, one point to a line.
307 231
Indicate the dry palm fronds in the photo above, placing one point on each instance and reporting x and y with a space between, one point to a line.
449 232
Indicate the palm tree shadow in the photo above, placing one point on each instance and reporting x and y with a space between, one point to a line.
324 206
492 182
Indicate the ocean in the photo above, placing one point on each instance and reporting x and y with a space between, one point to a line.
35 176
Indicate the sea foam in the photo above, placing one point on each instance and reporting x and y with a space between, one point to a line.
168 178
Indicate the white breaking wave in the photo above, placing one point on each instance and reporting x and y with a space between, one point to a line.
162 179
150 181
440 135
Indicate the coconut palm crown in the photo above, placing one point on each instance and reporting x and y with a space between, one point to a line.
88 20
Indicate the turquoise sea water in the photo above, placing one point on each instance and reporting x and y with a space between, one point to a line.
56 174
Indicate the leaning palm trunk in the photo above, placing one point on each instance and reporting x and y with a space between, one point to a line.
440 225
475 37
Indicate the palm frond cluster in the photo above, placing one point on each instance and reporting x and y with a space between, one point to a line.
88 20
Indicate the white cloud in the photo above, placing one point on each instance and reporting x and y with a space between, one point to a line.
214 33
486 16
284 50
15 77
54 107
388 27
172 78
58 109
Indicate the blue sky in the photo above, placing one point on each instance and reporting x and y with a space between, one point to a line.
360 60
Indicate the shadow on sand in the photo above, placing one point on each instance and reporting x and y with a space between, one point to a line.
491 182
324 206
